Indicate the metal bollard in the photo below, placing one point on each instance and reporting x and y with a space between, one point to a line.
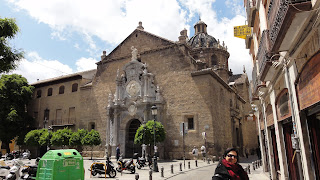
253 166
208 160
256 164
189 164
162 175
137 176
180 166
196 163
171 168
248 168
150 174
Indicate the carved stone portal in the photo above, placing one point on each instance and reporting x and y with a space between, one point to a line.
135 93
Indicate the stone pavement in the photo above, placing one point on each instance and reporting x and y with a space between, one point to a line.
144 172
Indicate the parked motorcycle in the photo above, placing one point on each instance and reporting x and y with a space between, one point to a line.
126 165
100 169
14 172
26 155
4 171
9 156
30 172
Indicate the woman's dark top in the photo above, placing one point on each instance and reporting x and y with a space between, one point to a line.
223 170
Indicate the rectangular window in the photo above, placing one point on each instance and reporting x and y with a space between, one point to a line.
190 123
46 117
72 115
58 116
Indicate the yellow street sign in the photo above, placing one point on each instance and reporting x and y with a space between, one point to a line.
241 31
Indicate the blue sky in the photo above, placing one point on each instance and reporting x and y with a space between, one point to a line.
61 37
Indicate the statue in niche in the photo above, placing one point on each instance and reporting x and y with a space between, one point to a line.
134 53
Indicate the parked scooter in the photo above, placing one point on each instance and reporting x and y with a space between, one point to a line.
126 165
26 155
99 168
30 172
9 156
4 170
14 172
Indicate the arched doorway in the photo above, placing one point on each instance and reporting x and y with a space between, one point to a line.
131 132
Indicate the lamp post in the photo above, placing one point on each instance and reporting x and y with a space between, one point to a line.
154 112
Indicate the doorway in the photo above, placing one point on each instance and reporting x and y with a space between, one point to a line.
132 148
314 133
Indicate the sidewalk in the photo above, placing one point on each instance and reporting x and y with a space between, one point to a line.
144 172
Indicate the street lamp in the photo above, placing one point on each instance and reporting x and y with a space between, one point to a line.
154 112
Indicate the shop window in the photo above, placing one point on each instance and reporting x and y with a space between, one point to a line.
39 94
190 123
61 90
50 92
75 87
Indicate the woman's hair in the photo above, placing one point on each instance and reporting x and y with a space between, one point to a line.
231 149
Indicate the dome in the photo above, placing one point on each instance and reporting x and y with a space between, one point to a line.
202 40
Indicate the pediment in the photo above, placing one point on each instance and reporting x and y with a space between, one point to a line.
140 39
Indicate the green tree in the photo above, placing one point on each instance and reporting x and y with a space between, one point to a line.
32 137
61 137
92 139
15 94
76 138
145 133
8 55
45 137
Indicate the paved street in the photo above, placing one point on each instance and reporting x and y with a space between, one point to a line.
203 171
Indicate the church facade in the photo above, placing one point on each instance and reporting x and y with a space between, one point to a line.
187 80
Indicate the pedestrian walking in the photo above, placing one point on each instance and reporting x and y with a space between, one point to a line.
195 152
203 152
228 168
118 152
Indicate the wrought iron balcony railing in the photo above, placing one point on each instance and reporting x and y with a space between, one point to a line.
280 16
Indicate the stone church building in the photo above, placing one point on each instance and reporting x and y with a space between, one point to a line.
188 81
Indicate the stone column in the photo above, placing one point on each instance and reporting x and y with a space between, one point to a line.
279 138
267 138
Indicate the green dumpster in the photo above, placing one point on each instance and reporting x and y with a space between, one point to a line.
61 164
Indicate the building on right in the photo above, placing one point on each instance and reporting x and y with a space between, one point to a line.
284 47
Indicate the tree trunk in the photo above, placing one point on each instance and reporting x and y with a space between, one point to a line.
91 151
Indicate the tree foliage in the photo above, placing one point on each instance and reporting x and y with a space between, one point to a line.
61 137
45 137
92 139
145 133
15 94
76 137
8 55
37 137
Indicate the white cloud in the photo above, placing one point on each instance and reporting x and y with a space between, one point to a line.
112 21
34 67
84 64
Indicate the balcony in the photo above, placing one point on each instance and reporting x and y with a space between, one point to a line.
251 11
63 122
284 18
264 55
